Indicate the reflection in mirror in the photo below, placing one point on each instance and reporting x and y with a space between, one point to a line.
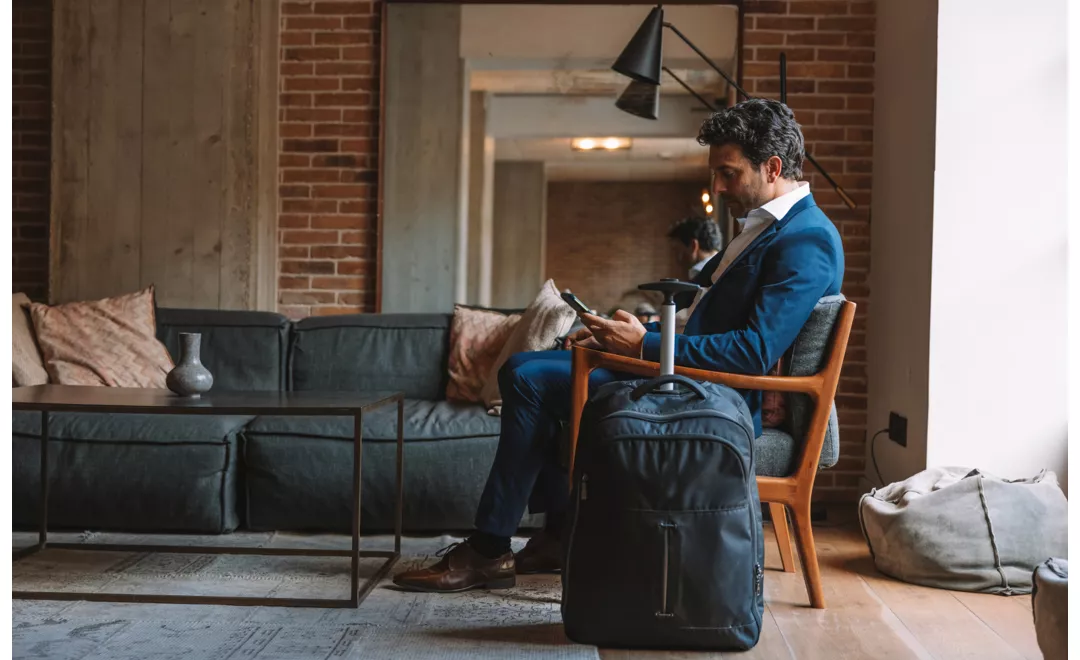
506 161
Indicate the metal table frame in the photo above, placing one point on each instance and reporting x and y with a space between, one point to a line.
358 591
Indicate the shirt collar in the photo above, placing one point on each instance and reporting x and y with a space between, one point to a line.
777 208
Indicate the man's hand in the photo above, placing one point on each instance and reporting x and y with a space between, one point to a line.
583 338
621 335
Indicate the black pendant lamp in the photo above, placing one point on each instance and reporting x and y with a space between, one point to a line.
641 59
641 100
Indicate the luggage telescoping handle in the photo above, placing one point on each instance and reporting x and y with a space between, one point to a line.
667 382
669 287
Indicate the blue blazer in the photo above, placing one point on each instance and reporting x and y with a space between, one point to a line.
752 315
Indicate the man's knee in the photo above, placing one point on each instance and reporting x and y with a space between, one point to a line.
524 373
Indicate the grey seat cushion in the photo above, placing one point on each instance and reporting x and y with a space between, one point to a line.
806 357
775 454
424 420
129 472
302 483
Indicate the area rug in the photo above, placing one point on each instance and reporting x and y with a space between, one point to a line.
520 623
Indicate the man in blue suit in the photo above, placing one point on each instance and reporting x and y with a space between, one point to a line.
761 290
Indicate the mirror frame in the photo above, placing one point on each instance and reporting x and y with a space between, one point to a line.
383 38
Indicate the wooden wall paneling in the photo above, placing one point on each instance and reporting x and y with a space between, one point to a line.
236 235
266 47
164 145
178 282
156 249
71 83
126 90
210 37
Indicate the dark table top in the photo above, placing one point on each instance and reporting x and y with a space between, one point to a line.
73 398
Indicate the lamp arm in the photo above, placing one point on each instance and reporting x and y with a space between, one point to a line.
708 61
690 89
839 191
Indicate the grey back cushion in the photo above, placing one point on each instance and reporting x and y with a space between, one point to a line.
365 352
806 357
243 350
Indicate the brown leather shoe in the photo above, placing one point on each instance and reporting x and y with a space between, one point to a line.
460 569
542 554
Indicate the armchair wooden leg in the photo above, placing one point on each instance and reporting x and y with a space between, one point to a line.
778 513
804 541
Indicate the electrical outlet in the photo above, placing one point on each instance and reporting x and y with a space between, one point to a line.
898 429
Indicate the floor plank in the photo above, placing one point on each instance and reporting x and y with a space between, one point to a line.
1009 616
871 616
937 619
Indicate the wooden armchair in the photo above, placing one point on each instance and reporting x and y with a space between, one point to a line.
781 493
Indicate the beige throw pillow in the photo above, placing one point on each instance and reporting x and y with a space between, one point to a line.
27 368
547 318
109 342
476 338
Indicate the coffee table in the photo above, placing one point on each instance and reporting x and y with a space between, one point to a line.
48 399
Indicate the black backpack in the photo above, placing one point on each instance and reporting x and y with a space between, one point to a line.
664 545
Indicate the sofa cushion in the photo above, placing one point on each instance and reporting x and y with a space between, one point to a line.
358 352
243 350
129 472
300 483
108 342
424 420
27 367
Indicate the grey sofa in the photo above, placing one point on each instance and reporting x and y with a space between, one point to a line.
216 474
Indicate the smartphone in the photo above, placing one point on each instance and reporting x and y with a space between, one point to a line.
576 303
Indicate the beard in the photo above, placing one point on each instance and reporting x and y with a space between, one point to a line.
752 197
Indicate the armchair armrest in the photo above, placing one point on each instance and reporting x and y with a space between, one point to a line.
593 359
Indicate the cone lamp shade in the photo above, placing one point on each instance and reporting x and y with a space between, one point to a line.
641 59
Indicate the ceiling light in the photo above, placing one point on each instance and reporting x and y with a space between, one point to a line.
705 198
708 208
607 143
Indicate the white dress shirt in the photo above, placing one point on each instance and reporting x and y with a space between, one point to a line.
753 224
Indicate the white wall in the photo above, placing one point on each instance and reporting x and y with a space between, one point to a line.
901 230
998 306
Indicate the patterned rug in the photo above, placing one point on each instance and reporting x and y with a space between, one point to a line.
519 623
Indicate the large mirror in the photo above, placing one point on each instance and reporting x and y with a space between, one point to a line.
505 161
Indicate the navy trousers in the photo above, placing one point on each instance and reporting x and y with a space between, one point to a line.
535 388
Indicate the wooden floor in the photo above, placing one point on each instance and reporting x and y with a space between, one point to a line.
872 616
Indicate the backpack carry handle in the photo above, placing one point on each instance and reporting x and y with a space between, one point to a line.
651 385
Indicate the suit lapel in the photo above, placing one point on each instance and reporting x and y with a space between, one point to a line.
768 232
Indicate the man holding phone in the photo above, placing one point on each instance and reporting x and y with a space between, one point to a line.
761 290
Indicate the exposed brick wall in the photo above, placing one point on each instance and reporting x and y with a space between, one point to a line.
30 92
605 238
830 83
328 134
329 156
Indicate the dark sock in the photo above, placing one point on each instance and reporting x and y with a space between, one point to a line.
554 522
489 545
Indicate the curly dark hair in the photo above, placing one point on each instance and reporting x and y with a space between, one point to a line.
762 128
704 230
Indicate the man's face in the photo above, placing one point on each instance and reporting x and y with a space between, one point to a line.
734 180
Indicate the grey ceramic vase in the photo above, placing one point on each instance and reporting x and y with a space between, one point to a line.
190 378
